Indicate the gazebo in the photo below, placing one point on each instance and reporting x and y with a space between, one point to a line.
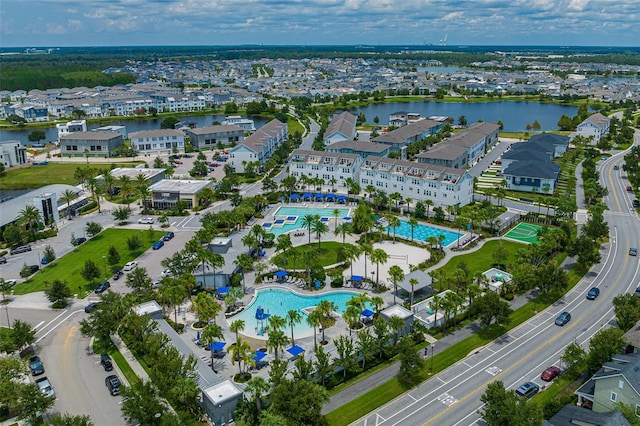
295 350
342 199
318 197
330 197
307 196
294 197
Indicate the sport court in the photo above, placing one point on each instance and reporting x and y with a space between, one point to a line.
524 232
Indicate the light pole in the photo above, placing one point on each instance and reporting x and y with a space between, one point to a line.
104 258
432 346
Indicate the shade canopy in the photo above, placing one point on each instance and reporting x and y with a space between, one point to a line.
281 274
330 196
261 252
294 196
295 350
306 195
222 290
267 225
324 219
217 346
319 196
342 197
367 313
347 218
356 277
259 355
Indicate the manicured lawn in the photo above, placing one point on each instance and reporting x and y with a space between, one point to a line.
328 254
37 176
482 259
117 357
68 267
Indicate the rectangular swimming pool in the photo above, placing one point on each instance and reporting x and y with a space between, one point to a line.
422 232
292 217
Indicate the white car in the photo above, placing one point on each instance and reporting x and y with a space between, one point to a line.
166 273
130 266
148 220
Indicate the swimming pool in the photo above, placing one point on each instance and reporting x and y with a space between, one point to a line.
278 301
422 232
286 213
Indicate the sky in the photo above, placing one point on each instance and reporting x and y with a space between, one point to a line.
61 23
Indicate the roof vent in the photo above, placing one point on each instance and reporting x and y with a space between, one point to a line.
636 368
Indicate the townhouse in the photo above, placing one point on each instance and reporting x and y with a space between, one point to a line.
341 128
330 166
30 113
595 126
402 137
158 142
96 144
210 136
361 148
258 147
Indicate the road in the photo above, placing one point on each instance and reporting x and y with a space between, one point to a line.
452 397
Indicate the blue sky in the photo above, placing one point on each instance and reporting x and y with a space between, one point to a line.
319 22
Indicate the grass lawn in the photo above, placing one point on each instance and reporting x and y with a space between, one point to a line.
482 259
36 176
68 267
117 357
328 254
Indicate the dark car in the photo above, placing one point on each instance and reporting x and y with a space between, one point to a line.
550 373
21 249
527 390
113 384
593 293
3 260
33 269
563 318
105 360
77 241
91 307
36 366
117 274
633 251
616 167
103 286
168 236
629 189
635 203
158 245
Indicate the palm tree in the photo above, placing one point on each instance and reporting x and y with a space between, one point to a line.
172 295
29 217
293 318
241 352
276 340
408 200
414 282
237 326
428 203
378 302
351 315
67 197
283 244
349 253
370 189
245 263
379 256
145 193
336 215
314 319
394 223
309 257
127 188
109 182
319 228
397 274
412 224
343 229
366 249
326 307
397 325
205 307
257 387
210 333
307 222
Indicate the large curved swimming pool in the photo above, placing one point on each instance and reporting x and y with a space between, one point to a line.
279 301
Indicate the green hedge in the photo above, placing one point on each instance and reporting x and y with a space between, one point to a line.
88 208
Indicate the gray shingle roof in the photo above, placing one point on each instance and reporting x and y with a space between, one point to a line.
533 169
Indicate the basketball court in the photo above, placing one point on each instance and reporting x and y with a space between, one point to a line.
525 233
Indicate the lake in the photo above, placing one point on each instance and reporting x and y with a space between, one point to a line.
514 115
131 125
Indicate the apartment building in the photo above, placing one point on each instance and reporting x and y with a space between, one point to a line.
210 136
325 165
341 128
95 144
595 127
361 148
258 147
157 142
402 137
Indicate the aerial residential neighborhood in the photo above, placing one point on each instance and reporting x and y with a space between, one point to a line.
319 235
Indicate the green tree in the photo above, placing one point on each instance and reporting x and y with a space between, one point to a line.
627 309
379 256
22 334
70 420
113 258
245 263
32 402
169 123
411 363
205 307
93 228
139 281
121 214
396 274
90 270
504 408
58 291
36 136
299 402
134 243
574 357
29 218
602 346
293 317
256 388
49 254
490 308
345 351
141 403
67 197
12 370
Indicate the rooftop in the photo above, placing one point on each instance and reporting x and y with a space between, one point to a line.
179 185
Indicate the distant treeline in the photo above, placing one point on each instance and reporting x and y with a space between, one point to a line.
83 66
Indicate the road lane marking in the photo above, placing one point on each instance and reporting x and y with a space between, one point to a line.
51 322
447 399
39 324
58 324
493 370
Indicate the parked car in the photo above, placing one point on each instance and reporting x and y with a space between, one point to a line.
3 260
629 189
550 373
635 203
21 249
77 241
45 387
168 236
117 274
105 360
616 167
103 286
91 307
563 318
593 293
44 261
11 282
633 251
177 161
527 390
158 245
166 273
130 266
33 269
147 220
36 366
113 384
155 284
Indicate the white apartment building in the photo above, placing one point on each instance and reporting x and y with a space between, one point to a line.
258 147
157 141
325 165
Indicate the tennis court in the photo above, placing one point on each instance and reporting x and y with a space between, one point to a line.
524 232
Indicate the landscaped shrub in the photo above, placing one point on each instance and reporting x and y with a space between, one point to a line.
87 208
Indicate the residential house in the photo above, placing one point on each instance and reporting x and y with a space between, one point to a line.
446 155
361 148
30 113
402 118
595 126
210 137
167 192
341 128
258 147
12 153
616 382
570 415
158 142
96 144
71 127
